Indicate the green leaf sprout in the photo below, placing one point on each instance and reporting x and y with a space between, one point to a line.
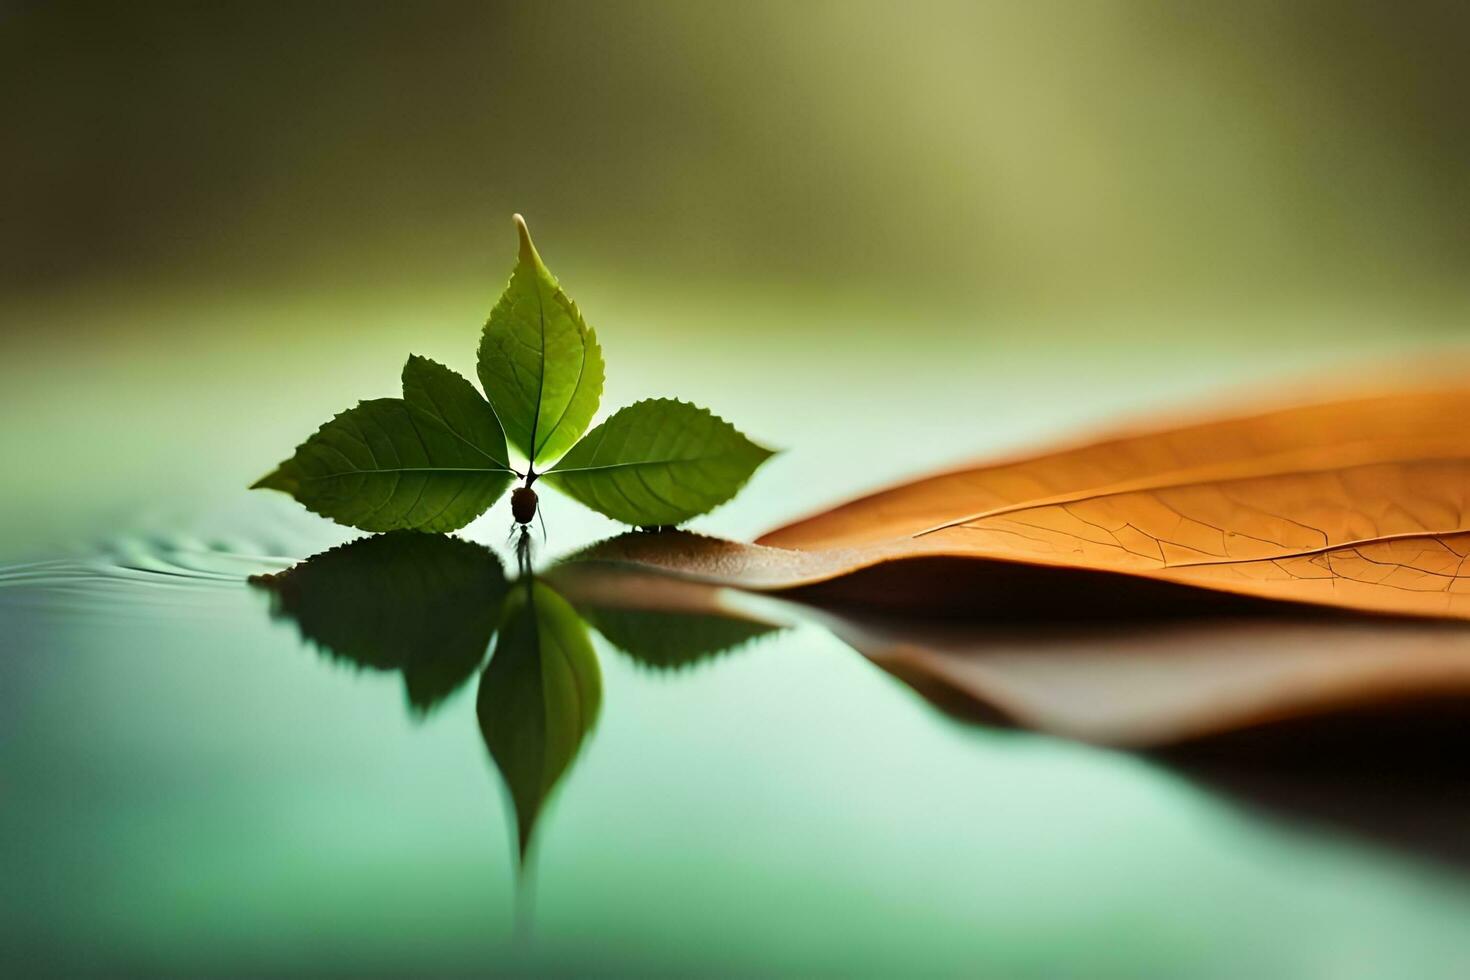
437 458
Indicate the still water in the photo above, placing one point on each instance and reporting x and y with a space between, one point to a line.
195 782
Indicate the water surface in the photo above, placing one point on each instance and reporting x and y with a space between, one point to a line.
190 787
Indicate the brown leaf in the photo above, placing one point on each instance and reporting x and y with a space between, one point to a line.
1156 588
1361 504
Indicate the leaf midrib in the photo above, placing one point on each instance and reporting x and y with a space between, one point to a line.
413 469
1326 549
1286 554
1197 476
442 418
533 450
635 463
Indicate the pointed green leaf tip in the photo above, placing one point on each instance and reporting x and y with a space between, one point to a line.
539 362
433 460
538 698
658 462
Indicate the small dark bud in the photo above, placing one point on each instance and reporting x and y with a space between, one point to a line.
523 505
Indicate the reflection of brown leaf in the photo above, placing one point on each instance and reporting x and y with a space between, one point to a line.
1135 663
1394 773
1361 504
1160 684
1349 721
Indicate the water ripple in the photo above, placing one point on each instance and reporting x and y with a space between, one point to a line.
158 565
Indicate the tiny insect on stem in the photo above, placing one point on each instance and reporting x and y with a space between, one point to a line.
523 505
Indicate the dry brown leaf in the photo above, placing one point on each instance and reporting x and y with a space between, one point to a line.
1361 504
1148 589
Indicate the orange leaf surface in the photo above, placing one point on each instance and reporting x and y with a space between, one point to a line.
1361 504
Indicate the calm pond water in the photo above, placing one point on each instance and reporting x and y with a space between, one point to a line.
190 787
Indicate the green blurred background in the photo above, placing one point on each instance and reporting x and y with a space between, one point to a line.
885 237
1037 154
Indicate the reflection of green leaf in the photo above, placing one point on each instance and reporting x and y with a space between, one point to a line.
422 604
665 640
539 363
658 461
433 460
539 697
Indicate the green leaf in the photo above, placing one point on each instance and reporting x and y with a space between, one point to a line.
665 640
658 462
449 403
431 461
421 604
539 363
538 699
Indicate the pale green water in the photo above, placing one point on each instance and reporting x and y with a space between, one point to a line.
189 789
